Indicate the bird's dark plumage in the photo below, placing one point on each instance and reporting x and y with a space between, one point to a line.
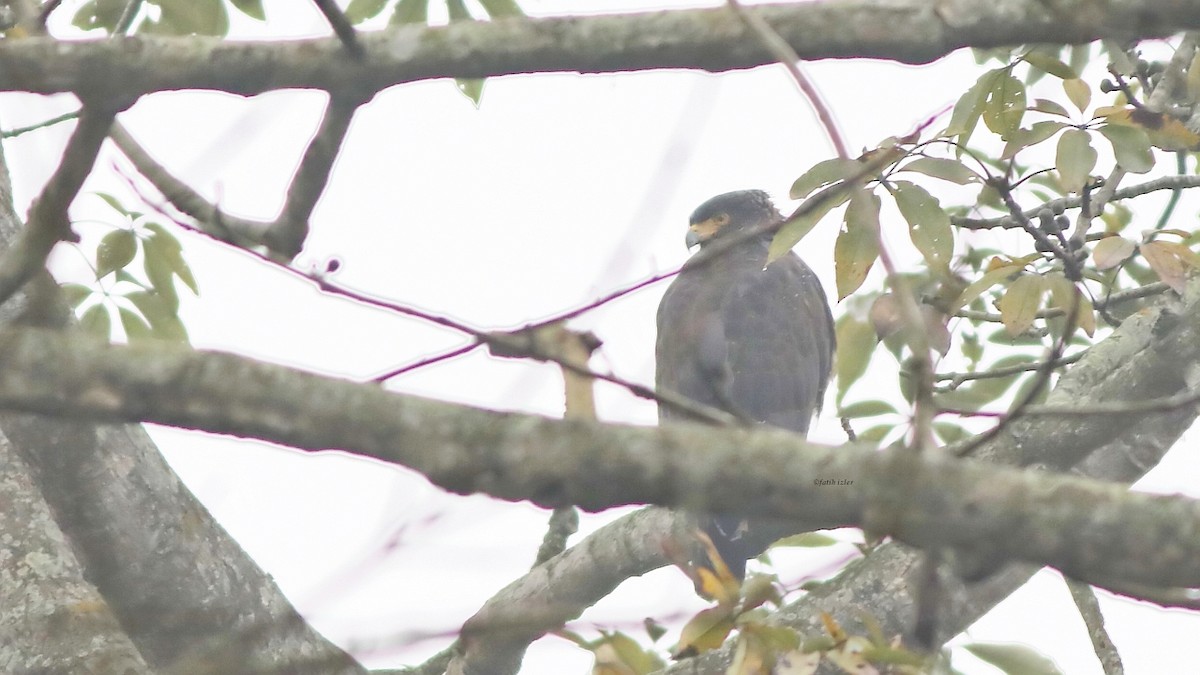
735 333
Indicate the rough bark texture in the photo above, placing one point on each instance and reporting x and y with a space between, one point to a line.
183 590
910 31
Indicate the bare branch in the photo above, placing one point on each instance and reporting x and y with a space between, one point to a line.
210 220
957 379
47 223
1164 183
287 234
1089 610
789 59
704 39
1138 293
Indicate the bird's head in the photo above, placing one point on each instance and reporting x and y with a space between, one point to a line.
730 213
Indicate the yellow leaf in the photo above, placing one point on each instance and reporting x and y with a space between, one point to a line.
1169 262
1164 131
750 658
993 276
705 632
1019 306
716 581
1111 251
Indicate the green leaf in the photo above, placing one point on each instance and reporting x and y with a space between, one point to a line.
856 342
857 245
876 433
163 244
251 8
190 17
499 9
359 11
1045 105
947 169
136 329
1131 147
1019 306
969 107
1013 659
1079 92
116 250
1024 138
806 540
866 409
96 321
795 229
102 14
983 283
75 294
164 322
950 432
410 11
1005 105
824 173
113 202
1075 159
928 224
161 276
471 88
1050 64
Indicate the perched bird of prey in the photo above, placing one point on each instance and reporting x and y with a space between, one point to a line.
737 334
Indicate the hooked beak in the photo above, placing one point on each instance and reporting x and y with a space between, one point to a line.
700 232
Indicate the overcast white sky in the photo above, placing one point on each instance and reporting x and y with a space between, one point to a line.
557 189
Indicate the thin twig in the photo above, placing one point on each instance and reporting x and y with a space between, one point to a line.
125 23
957 379
605 299
1042 380
1093 618
787 56
65 117
45 12
342 28
209 219
1164 183
1148 290
427 361
48 223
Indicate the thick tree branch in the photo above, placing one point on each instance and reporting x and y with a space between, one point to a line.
910 31
51 619
956 504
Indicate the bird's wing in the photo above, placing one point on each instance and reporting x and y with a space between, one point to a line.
756 343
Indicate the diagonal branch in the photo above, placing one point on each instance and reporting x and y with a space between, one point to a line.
287 234
208 217
909 31
47 222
